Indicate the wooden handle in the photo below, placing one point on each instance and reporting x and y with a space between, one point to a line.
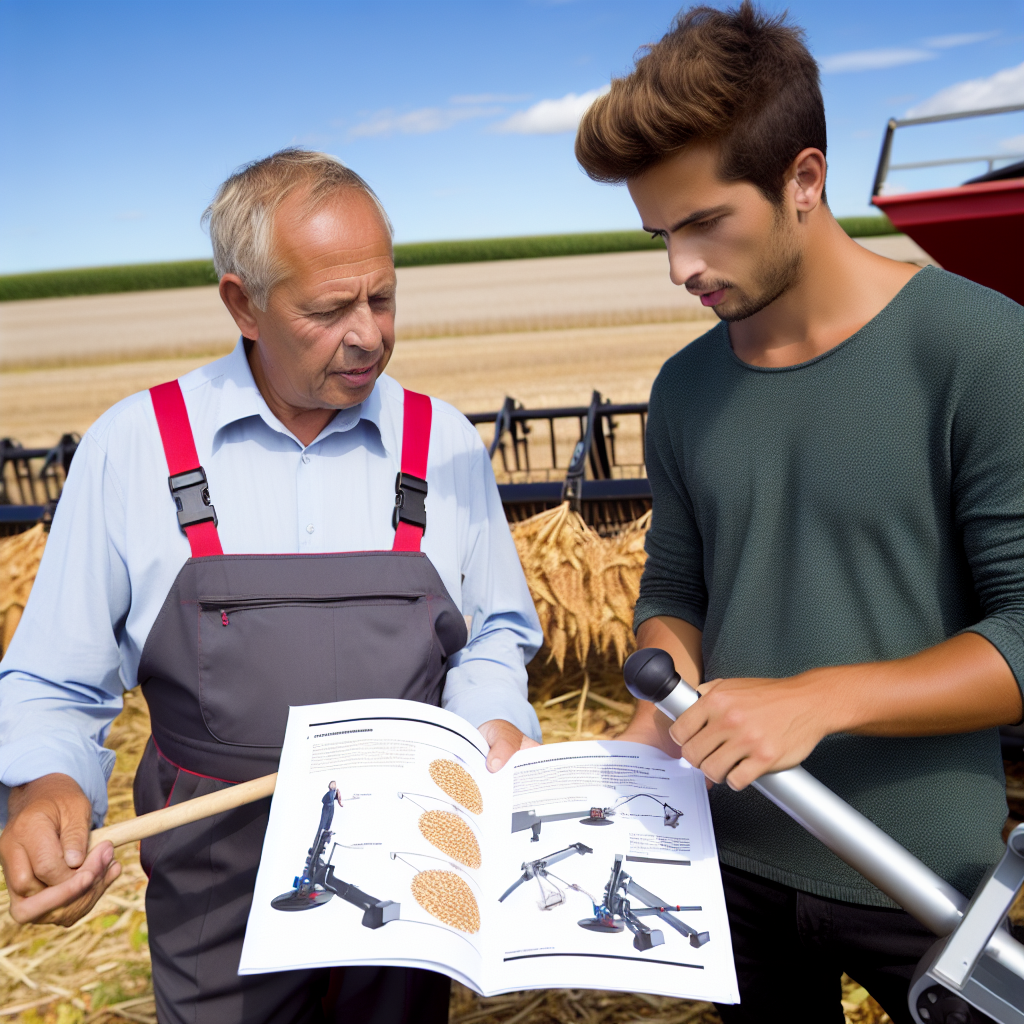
155 822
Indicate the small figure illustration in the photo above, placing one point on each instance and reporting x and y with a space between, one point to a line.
317 884
330 798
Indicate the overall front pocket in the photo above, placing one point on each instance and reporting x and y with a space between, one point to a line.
259 655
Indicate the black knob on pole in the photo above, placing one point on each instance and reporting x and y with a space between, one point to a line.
650 674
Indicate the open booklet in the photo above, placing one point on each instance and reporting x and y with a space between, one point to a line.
578 865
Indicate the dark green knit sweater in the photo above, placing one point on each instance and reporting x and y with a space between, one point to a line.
858 507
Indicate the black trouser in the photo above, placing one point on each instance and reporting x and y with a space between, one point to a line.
387 995
791 949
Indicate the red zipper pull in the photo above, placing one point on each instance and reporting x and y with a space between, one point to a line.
223 617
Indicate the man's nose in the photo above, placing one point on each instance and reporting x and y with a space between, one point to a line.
363 331
684 263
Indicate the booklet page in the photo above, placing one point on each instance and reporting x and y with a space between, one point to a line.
609 876
374 851
579 865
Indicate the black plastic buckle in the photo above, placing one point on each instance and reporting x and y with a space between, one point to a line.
410 501
192 497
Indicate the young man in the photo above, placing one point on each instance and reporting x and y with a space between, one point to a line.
838 536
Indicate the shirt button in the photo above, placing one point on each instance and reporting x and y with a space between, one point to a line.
310 528
305 458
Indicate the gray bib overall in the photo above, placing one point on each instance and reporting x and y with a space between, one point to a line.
238 639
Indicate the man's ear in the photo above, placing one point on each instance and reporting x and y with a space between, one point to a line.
240 306
806 177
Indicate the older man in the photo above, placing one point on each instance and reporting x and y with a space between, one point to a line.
346 540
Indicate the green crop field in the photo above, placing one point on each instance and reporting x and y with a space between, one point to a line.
136 277
193 273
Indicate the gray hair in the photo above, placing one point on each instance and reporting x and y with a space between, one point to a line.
241 216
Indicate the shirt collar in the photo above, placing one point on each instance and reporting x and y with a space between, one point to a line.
240 399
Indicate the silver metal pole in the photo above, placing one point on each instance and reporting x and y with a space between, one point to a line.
859 842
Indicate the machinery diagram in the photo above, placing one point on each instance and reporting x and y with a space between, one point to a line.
318 884
616 913
522 820
551 894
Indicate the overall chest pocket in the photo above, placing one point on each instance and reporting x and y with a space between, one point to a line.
257 656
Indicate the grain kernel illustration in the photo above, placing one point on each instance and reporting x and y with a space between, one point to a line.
444 895
450 834
454 780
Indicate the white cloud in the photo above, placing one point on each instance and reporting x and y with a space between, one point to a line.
1002 89
958 39
424 121
1014 144
874 60
549 117
490 97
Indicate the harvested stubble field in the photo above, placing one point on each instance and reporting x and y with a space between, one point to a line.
98 971
474 373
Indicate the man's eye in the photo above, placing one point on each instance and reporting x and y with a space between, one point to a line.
707 225
657 234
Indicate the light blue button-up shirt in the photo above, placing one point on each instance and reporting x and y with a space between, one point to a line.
115 548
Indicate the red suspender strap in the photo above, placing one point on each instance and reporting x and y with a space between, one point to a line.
410 518
187 478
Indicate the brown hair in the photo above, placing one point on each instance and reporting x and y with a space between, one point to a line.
740 78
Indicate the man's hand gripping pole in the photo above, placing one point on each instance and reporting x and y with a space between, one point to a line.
650 675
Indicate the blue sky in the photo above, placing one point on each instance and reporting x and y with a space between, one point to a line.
120 119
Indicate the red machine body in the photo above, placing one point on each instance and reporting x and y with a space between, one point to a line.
976 230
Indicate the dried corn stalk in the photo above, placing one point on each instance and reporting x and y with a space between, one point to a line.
584 585
19 562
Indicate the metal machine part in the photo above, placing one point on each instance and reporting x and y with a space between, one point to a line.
616 912
522 820
538 869
608 491
318 884
984 968
956 970
972 229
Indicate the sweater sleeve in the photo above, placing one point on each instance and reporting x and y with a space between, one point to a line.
673 578
987 452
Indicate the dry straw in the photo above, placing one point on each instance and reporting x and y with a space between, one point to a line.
98 971
19 561
584 586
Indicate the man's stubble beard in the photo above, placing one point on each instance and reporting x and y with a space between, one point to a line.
776 272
